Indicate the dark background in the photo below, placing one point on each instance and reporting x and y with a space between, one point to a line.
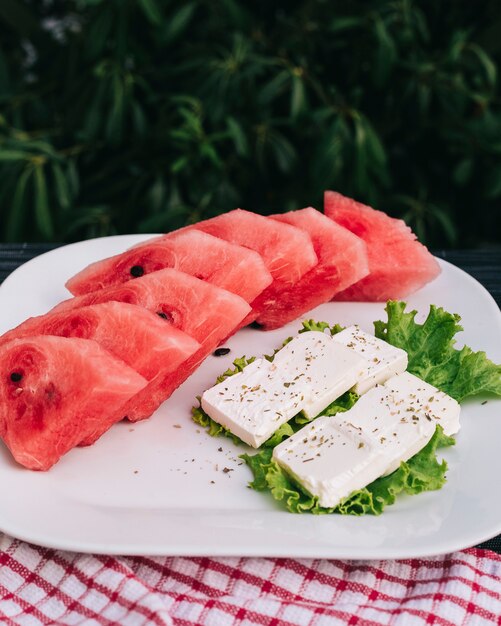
120 116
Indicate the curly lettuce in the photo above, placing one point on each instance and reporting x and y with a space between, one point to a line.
432 353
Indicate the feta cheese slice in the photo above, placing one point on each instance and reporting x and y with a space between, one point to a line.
323 368
382 359
330 460
385 416
425 399
307 374
334 456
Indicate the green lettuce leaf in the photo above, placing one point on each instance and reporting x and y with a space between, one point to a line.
200 417
432 355
423 472
320 326
239 365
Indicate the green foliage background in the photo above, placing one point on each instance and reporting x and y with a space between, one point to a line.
143 115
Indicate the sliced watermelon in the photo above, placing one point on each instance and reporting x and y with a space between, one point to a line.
139 337
203 311
287 251
342 261
219 262
182 300
398 263
56 391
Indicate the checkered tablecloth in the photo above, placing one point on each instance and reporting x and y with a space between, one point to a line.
41 586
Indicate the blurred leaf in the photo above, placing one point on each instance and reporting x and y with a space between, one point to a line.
168 220
210 152
420 24
152 11
238 136
61 186
139 119
157 194
115 123
99 31
283 151
360 155
493 182
340 24
178 23
179 164
238 15
42 210
93 119
41 146
424 98
17 213
463 172
298 95
94 218
375 148
19 17
487 63
13 155
386 53
274 87
446 223
73 177
4 75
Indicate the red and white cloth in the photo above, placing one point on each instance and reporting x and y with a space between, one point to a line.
41 586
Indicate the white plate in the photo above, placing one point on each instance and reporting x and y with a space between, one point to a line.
159 486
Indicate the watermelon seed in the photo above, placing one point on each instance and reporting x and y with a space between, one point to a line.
137 271
164 316
221 351
255 325
16 377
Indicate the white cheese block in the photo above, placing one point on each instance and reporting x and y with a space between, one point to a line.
382 359
425 399
330 460
385 416
307 374
334 456
323 368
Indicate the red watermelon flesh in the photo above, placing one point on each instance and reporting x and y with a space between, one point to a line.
139 337
287 251
215 260
56 391
342 261
196 307
398 263
203 311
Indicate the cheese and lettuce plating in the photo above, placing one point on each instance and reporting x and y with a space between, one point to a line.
434 359
307 375
333 457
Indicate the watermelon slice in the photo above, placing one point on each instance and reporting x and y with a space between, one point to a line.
278 245
203 311
398 263
219 262
342 261
139 337
56 391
